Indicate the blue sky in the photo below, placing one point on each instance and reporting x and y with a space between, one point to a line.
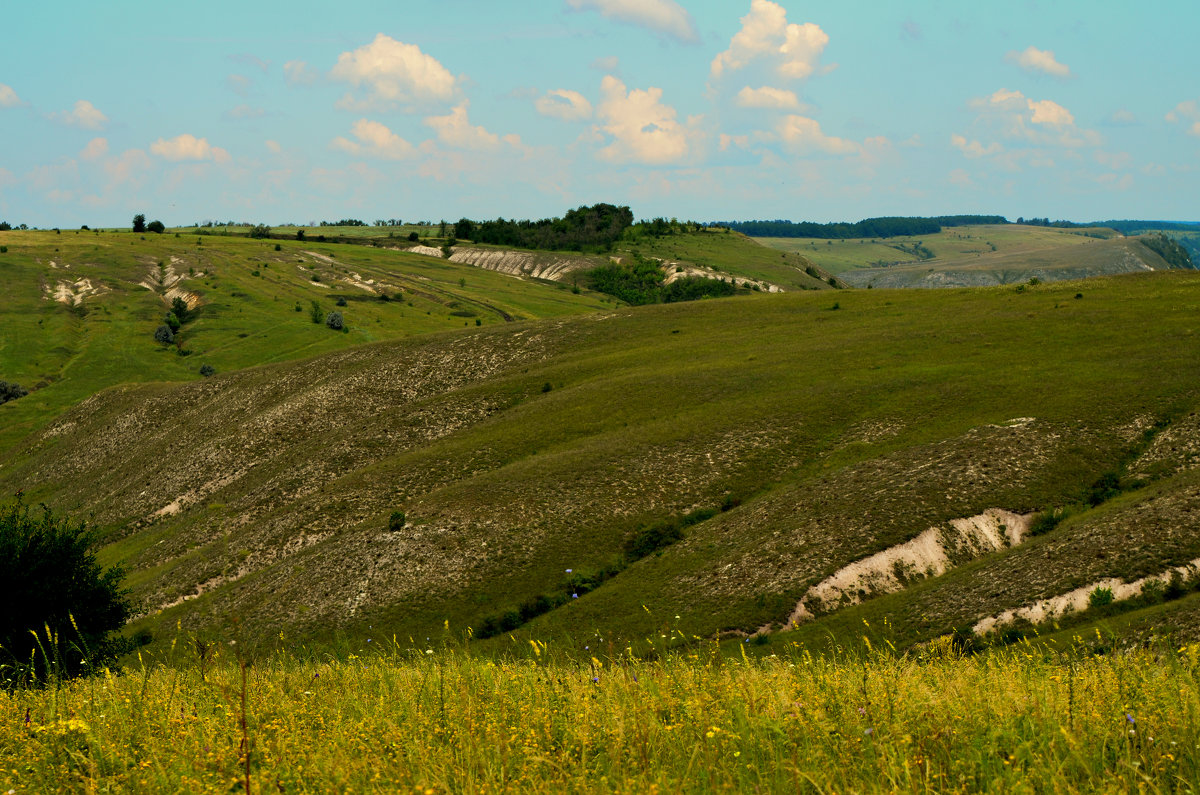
709 110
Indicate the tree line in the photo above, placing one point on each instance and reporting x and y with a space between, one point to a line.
593 228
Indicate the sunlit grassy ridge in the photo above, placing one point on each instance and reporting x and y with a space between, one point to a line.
81 308
430 717
975 256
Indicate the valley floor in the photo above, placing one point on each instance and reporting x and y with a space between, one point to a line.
435 718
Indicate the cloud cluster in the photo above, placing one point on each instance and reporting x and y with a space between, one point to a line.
84 115
394 73
456 131
564 104
767 97
375 140
8 97
643 129
1040 122
188 147
792 50
1031 59
1187 113
661 16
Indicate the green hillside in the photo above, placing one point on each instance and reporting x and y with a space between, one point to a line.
979 256
81 308
760 444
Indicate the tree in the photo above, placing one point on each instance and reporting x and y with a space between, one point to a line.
164 334
58 591
156 227
260 231
465 228
139 223
180 308
11 391
334 321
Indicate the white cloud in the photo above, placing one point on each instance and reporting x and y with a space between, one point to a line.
793 49
974 149
273 146
1048 112
126 168
395 72
661 16
767 97
564 104
455 130
609 64
1042 122
298 73
375 140
1031 59
188 147
84 115
804 136
96 148
8 97
643 128
1187 112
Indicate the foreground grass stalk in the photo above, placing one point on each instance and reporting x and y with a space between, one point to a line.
693 722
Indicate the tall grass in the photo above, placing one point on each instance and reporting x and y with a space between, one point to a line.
409 717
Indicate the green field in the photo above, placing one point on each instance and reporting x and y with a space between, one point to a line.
816 428
976 256
433 717
114 296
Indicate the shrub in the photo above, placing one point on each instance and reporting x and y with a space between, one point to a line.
413 237
156 227
334 321
546 387
3 249
260 231
164 334
11 391
206 370
396 521
278 247
1100 597
315 314
58 591
173 321
341 300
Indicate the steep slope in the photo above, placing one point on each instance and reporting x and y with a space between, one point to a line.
527 456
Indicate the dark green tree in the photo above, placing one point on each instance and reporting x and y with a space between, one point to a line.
156 227
58 591
139 223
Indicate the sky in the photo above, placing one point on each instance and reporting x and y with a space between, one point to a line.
695 109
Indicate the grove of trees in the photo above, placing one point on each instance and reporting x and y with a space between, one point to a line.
593 228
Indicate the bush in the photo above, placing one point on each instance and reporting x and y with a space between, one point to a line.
1100 597
58 591
341 301
156 227
3 249
314 313
173 321
396 521
11 391
206 370
164 334
260 231
278 247
413 237
334 321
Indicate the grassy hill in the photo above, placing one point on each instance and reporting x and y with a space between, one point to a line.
81 308
976 256
760 444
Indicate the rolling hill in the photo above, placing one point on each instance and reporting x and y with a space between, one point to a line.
720 461
977 256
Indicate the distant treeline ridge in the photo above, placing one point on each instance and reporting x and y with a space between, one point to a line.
868 227
593 228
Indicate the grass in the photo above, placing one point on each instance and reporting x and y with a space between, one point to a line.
953 245
65 353
403 716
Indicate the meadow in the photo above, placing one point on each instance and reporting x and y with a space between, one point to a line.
398 716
